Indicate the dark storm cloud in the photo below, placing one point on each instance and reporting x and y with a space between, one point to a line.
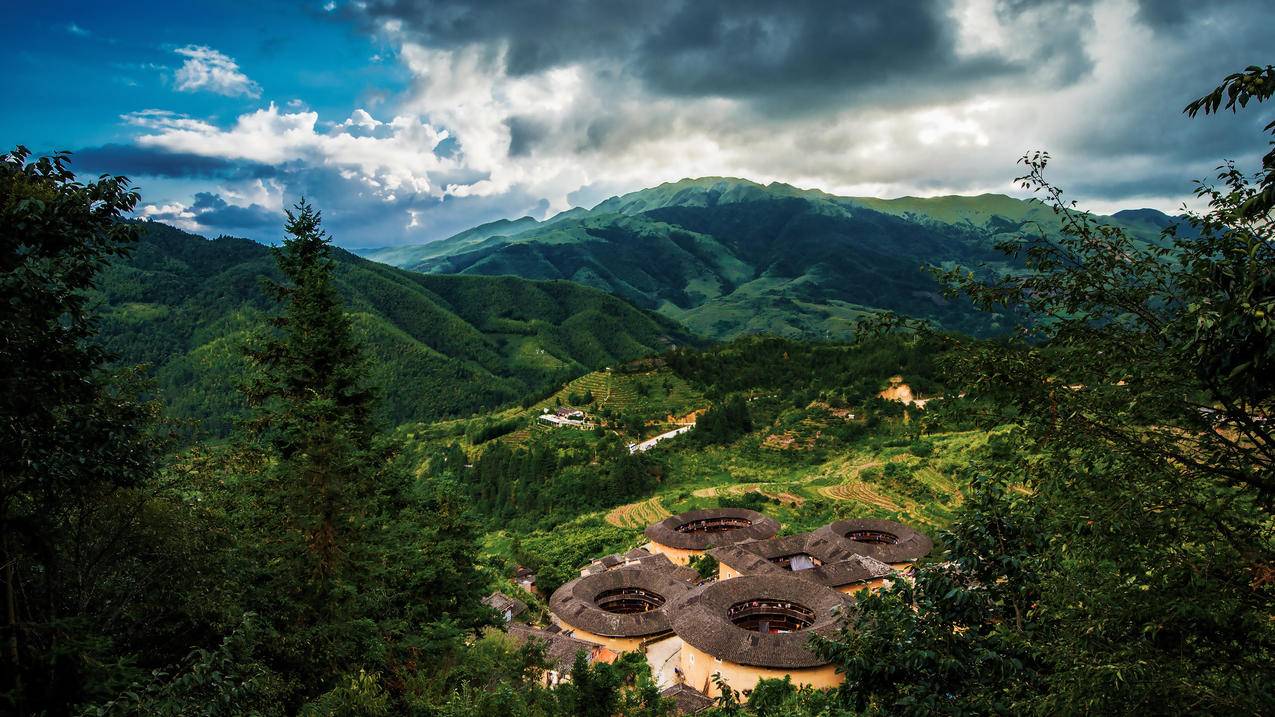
136 161
524 132
1173 15
745 49
754 49
898 97
213 211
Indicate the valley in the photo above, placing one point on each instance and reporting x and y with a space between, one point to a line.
187 307
821 444
440 358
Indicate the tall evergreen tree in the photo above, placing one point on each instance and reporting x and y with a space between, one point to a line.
312 404
355 562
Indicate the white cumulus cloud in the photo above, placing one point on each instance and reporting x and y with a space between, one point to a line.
206 69
397 157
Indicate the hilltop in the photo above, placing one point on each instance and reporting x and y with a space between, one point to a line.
439 346
727 256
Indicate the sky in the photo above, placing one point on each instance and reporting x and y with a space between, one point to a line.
406 121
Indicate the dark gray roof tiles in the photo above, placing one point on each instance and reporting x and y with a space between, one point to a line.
658 562
501 602
909 544
700 619
666 532
688 700
840 564
574 602
559 649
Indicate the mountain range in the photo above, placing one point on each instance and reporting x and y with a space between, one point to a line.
728 256
440 345
512 309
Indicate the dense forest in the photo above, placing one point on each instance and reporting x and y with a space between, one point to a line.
730 257
1110 551
438 346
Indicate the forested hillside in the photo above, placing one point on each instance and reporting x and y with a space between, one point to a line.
1099 487
728 256
439 346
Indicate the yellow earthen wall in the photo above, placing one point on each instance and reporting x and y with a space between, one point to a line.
726 572
619 644
698 668
677 555
870 585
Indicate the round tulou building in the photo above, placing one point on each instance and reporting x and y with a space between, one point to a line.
756 627
892 543
682 537
755 620
622 609
825 559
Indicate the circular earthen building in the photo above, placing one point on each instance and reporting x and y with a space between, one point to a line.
618 608
756 627
682 537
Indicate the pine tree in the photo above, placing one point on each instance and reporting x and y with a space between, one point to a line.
357 563
312 406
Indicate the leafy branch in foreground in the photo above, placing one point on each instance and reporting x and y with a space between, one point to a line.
1141 387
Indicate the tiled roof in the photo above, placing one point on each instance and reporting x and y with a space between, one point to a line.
659 562
501 602
574 603
637 553
840 564
909 544
687 699
700 619
559 649
666 531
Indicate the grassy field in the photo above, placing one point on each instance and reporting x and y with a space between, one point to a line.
803 495
831 464
658 396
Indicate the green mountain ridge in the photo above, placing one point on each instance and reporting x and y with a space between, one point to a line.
440 345
727 256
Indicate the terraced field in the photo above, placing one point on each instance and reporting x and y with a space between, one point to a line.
858 491
638 515
784 492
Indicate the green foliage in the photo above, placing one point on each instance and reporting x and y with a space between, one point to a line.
922 449
1131 572
728 257
556 555
224 682
359 695
956 640
705 564
481 432
752 500
543 485
1254 84
724 422
184 305
78 513
848 374
312 407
